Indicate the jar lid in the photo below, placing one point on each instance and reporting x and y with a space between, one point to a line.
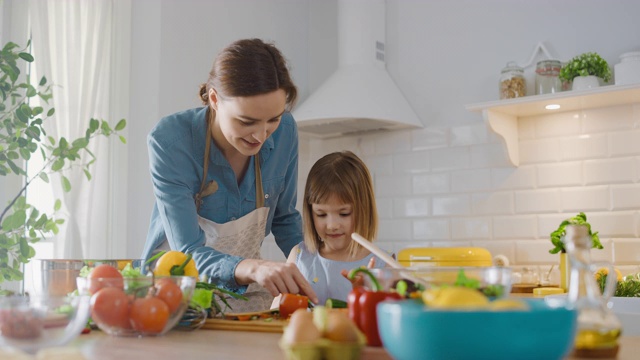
549 63
512 66
634 55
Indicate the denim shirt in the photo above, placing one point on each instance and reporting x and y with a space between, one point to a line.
176 155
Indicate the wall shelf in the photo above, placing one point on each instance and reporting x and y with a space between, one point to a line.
502 116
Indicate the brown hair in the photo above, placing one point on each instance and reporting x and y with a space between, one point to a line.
246 68
344 175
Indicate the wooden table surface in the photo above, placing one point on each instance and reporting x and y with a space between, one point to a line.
228 345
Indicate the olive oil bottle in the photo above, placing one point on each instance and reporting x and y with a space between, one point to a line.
598 327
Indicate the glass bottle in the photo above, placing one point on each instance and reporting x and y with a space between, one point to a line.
512 83
598 327
547 80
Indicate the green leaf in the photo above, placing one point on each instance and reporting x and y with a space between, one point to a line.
93 125
43 81
87 174
31 91
26 56
44 177
51 112
58 164
16 170
14 221
57 205
106 129
122 139
25 153
121 124
24 247
80 143
66 185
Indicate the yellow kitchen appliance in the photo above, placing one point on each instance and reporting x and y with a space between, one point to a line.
445 256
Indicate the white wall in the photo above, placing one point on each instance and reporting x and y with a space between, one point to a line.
450 183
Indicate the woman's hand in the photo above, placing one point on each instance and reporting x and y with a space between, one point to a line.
358 280
276 277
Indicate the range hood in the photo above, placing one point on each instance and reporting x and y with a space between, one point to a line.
360 96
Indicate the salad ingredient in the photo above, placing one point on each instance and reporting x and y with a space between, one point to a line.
110 307
175 263
149 314
169 292
454 297
289 303
104 276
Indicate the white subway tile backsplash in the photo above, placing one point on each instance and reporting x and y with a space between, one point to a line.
451 205
537 201
604 254
626 251
607 119
560 174
506 248
625 143
549 223
450 158
432 183
470 228
515 227
393 142
489 155
413 162
431 229
523 177
429 138
625 197
610 171
394 230
538 151
392 185
558 124
489 203
585 147
535 252
470 180
379 165
385 207
585 198
411 207
614 224
468 135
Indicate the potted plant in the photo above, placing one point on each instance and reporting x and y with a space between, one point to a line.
584 71
558 244
22 135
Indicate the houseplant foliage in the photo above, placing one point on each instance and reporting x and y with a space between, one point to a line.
584 65
22 135
580 219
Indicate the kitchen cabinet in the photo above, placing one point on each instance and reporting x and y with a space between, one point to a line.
502 116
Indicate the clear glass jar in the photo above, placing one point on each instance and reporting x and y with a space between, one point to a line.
598 327
512 83
547 80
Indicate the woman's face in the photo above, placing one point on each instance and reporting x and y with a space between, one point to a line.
334 223
244 123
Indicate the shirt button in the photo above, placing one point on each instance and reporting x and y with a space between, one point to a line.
233 218
266 196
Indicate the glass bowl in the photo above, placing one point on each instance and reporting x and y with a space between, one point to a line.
493 281
32 323
141 306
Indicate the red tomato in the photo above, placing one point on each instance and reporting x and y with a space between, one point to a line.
104 276
110 307
290 303
149 314
169 292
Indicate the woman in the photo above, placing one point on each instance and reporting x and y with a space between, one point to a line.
225 175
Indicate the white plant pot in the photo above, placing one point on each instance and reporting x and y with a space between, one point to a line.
585 82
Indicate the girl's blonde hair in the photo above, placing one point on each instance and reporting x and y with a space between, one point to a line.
343 175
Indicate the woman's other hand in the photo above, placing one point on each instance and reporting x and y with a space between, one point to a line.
276 277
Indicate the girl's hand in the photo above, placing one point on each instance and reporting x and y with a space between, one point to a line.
358 280
276 277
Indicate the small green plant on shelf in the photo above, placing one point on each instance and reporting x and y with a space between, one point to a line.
584 65
580 219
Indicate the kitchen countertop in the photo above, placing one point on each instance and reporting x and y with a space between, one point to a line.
227 345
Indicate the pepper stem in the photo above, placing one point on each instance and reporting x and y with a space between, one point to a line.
179 270
154 257
376 284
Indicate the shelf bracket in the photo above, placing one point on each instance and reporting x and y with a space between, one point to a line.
506 126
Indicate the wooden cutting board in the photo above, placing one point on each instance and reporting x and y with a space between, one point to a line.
259 325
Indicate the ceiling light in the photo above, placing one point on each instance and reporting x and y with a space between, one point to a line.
552 107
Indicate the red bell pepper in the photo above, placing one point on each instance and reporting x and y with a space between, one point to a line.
362 306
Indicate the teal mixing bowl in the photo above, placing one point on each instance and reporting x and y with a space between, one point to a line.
410 331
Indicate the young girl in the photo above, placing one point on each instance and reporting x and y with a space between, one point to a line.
338 200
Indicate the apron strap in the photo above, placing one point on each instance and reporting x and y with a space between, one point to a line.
212 187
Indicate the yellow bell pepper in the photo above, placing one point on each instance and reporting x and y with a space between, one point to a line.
175 263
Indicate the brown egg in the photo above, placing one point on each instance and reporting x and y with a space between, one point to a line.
301 328
340 328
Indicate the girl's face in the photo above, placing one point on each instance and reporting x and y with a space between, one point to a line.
244 123
334 223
